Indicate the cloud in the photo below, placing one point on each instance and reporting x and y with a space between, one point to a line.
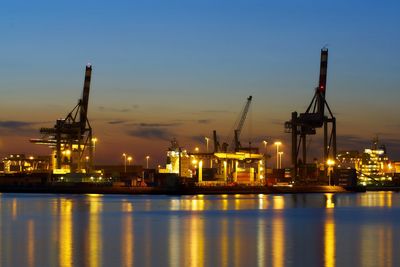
17 127
216 111
14 124
117 122
110 109
204 121
143 124
151 133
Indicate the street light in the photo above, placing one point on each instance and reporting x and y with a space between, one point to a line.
196 149
265 153
330 163
207 139
265 146
129 160
277 143
94 140
124 155
280 159
147 161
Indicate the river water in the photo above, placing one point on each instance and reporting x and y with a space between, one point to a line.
346 229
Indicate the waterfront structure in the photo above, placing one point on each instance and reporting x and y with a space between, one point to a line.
349 159
374 165
18 163
305 124
71 138
215 167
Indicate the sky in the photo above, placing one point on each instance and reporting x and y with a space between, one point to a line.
180 69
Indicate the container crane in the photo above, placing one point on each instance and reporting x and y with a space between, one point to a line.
71 138
306 123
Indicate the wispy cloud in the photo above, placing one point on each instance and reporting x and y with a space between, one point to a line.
117 122
215 111
151 133
18 127
143 124
111 109
204 121
14 124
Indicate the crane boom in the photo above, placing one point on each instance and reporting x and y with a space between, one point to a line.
239 127
323 70
85 97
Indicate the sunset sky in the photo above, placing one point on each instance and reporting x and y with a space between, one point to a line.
164 69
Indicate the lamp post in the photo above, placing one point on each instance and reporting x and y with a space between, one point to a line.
124 155
207 139
129 160
265 154
147 161
196 149
280 159
265 146
277 143
330 164
94 140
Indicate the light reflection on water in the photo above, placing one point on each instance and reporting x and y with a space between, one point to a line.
223 230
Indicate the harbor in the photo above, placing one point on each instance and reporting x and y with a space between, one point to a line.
226 166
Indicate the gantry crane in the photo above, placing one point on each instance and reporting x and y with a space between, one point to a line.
306 124
71 138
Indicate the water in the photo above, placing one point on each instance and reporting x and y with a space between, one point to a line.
239 230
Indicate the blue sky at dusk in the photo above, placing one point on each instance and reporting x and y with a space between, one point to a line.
164 69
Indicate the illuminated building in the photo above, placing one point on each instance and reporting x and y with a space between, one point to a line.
349 159
215 168
21 163
374 164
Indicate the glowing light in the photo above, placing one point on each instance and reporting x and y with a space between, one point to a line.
330 162
65 232
330 241
329 201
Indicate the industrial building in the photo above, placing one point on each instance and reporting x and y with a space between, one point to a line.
20 163
229 163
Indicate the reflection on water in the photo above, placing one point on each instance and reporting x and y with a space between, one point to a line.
261 243
195 241
127 246
278 239
224 241
329 238
94 233
65 232
31 243
225 230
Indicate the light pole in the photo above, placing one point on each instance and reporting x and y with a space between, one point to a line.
265 146
280 159
94 140
277 143
207 139
124 155
147 161
265 154
196 149
330 164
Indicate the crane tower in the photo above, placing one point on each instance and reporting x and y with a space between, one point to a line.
71 138
305 124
